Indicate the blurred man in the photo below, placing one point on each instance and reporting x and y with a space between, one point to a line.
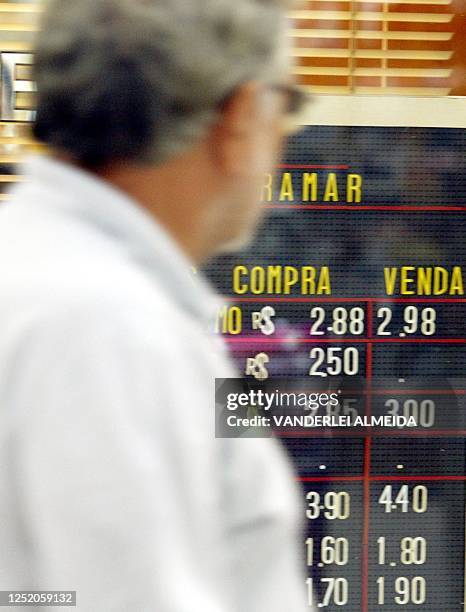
162 117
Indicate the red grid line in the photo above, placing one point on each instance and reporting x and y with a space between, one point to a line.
434 433
416 392
349 300
404 391
329 478
428 478
366 491
313 167
366 207
354 340
332 433
370 319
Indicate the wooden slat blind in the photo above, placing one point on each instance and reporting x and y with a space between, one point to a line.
18 24
373 47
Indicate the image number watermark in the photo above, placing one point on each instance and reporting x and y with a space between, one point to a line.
38 598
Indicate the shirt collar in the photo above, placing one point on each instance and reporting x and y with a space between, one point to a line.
112 211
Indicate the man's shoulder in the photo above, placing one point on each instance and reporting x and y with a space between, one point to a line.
54 269
64 277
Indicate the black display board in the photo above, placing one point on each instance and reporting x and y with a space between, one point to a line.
358 271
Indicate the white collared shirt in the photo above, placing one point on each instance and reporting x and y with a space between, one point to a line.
112 482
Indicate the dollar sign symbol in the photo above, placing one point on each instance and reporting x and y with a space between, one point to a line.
255 366
263 320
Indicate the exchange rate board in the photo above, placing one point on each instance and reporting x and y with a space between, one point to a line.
357 273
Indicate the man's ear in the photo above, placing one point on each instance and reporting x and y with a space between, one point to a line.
235 132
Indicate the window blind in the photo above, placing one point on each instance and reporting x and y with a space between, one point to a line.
18 24
374 47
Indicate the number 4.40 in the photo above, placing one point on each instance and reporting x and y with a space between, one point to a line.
405 499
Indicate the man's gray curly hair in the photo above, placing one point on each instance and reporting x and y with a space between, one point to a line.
142 79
